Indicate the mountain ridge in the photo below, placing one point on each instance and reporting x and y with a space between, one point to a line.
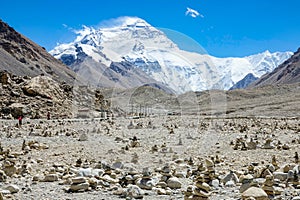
148 49
286 73
21 56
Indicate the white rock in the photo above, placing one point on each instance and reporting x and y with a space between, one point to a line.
215 183
229 184
280 175
174 183
89 172
118 165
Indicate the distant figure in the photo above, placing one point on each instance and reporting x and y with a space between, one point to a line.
48 115
20 120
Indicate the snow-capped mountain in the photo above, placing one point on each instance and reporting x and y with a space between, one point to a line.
132 40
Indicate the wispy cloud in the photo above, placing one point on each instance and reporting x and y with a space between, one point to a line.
193 13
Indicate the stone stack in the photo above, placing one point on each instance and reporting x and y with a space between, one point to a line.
268 185
166 172
145 182
210 173
252 145
79 184
202 189
9 167
274 162
203 176
247 182
51 176
268 144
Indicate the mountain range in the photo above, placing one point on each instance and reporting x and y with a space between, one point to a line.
133 53
286 73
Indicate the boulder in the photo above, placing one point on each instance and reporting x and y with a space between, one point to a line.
255 192
43 86
174 183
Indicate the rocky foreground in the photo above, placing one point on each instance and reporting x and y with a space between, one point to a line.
162 157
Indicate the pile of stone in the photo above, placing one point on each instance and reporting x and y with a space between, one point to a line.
204 178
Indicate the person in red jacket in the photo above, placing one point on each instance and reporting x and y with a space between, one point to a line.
20 120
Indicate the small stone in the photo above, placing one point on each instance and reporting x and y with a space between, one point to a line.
230 184
215 183
78 180
118 165
134 191
200 193
83 137
12 188
129 178
280 176
161 191
50 178
174 183
37 178
230 177
246 178
79 187
108 179
203 186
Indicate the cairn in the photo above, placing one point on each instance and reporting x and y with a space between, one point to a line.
203 176
79 184
268 185
274 162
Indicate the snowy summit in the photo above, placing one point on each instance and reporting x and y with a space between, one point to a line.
133 40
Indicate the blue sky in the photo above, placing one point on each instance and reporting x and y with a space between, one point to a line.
226 27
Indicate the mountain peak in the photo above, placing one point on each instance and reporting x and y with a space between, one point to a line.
133 22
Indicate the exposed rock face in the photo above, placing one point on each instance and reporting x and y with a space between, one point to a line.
42 96
43 86
21 56
247 80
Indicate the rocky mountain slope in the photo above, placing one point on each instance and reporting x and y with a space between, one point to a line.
287 73
247 80
148 49
35 97
21 56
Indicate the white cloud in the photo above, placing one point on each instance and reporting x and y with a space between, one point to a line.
193 13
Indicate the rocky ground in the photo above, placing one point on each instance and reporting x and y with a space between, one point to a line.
157 157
